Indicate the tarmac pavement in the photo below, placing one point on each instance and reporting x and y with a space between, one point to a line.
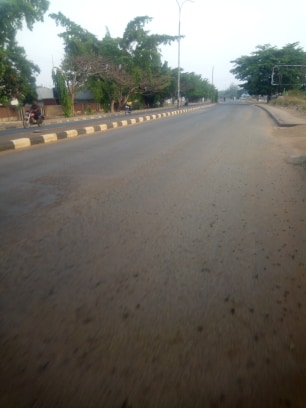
281 117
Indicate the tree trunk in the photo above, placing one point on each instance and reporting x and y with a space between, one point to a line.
72 102
112 105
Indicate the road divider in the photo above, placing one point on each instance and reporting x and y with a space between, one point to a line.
71 133
89 130
51 137
21 143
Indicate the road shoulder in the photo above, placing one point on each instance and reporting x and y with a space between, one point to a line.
290 131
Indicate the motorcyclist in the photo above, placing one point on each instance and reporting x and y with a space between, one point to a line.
36 110
128 107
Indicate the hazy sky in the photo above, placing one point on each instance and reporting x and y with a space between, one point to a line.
216 31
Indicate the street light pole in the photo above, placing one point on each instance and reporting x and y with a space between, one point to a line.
180 5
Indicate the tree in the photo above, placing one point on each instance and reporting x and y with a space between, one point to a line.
77 40
194 87
74 74
134 61
142 50
17 79
61 91
256 70
119 82
233 91
17 74
14 12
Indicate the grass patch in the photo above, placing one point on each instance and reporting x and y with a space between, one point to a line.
294 100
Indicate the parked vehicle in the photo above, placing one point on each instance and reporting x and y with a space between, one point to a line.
32 119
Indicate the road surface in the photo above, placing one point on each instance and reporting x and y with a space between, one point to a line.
160 265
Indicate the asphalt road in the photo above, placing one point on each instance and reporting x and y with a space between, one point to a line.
159 265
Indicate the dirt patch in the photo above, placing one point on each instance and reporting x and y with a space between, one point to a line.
293 140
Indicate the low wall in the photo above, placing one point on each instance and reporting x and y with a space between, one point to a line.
9 114
82 108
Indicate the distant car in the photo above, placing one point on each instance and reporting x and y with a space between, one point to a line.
245 96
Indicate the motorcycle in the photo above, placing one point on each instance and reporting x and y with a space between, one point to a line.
30 120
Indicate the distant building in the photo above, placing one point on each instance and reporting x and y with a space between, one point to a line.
48 100
44 93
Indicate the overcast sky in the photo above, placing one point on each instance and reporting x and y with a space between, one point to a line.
216 31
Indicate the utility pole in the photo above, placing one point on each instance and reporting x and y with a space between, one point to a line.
180 5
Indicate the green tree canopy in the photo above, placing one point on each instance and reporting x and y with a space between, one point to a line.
134 60
194 87
13 14
233 91
143 47
255 70
77 40
119 69
17 74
